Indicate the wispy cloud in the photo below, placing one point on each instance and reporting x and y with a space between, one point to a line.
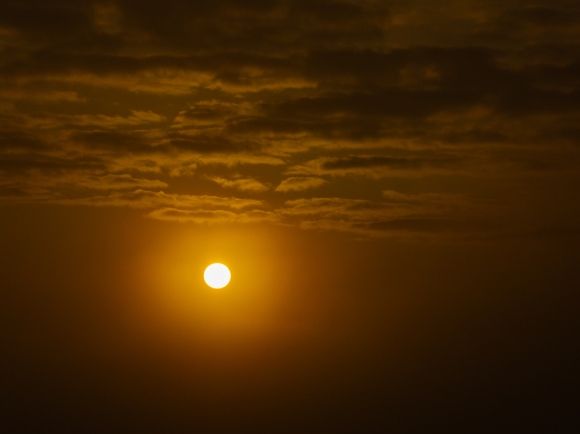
299 183
119 182
242 184
213 217
152 199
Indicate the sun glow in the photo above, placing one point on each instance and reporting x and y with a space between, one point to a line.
217 275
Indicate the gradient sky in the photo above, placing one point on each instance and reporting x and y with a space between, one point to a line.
393 184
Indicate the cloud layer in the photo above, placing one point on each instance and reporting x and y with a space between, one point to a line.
305 111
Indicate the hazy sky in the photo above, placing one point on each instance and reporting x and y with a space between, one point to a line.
394 185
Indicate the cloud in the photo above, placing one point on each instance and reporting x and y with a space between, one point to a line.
107 17
22 192
169 74
380 166
237 159
393 103
393 196
363 162
119 182
105 103
209 143
429 225
21 141
152 199
127 142
43 20
299 183
398 215
213 217
18 164
137 118
40 95
242 184
418 68
210 113
261 26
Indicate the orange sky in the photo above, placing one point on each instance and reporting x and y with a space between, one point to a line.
393 184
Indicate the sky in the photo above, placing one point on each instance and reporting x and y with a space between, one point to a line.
393 185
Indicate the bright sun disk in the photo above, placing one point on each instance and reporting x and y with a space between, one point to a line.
217 275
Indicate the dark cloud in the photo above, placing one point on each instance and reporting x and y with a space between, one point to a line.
206 144
544 17
57 19
355 162
470 68
428 225
378 166
205 112
346 129
119 182
23 192
20 141
255 25
383 103
119 141
524 101
20 163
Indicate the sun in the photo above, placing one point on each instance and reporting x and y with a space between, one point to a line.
217 275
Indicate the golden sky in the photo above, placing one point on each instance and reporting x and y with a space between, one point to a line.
394 185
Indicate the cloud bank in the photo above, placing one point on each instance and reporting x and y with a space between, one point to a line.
263 99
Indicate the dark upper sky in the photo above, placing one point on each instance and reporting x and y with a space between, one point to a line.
393 183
